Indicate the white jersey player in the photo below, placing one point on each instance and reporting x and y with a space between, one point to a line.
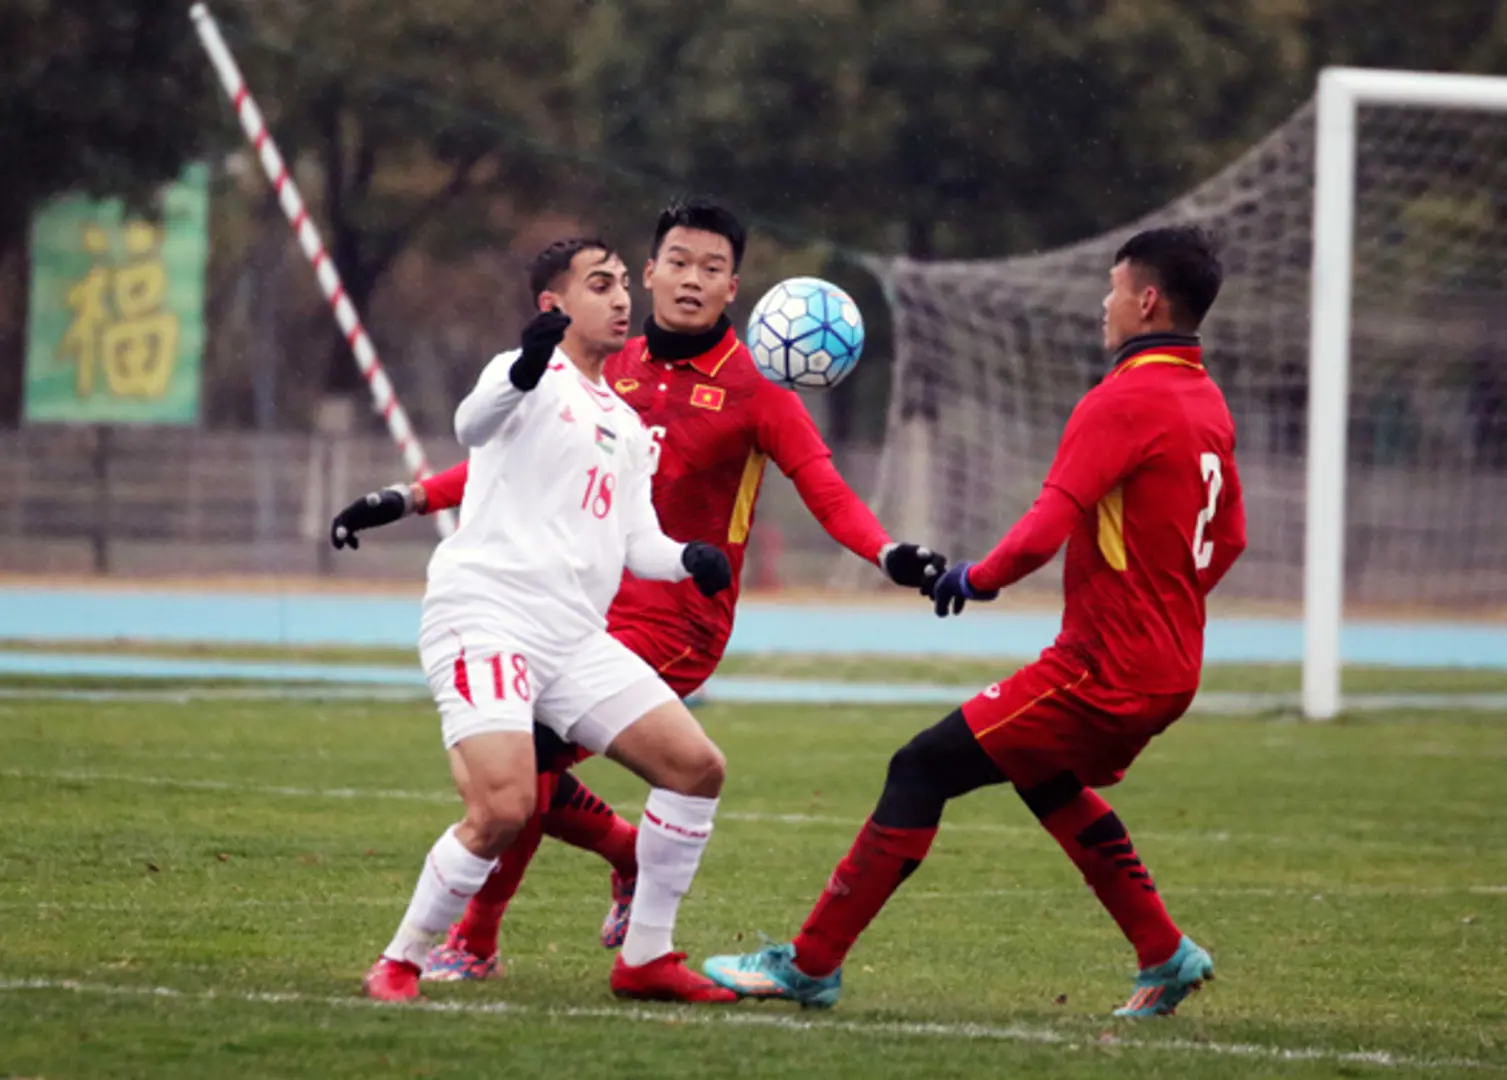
557 503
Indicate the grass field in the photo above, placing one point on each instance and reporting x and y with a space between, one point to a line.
195 888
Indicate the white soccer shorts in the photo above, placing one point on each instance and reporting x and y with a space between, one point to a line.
486 680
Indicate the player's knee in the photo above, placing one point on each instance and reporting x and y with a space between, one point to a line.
1045 799
707 772
909 766
500 813
699 770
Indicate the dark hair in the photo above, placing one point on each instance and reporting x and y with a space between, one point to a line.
553 263
707 214
1184 260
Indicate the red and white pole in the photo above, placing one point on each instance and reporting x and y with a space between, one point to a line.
383 395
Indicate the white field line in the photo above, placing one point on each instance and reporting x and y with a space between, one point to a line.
746 1018
1318 841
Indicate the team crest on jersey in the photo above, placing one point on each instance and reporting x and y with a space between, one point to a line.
606 439
708 397
625 386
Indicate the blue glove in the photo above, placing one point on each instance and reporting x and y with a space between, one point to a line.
952 589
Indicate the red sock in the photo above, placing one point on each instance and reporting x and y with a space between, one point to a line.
879 860
580 819
1093 837
479 925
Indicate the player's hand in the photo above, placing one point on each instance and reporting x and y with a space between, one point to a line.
912 566
952 590
371 511
708 567
540 338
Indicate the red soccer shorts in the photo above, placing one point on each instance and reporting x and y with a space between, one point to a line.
1052 717
682 667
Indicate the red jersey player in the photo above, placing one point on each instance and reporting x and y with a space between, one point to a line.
1145 493
717 423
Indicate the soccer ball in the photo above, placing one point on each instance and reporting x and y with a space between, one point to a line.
805 332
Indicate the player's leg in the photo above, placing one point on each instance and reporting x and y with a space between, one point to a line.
568 811
940 764
1093 837
582 819
609 701
469 951
491 754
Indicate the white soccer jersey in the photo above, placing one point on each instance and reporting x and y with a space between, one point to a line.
557 502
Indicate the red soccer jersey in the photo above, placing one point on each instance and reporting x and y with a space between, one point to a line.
717 422
1156 519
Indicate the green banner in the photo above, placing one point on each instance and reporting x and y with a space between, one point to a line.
116 326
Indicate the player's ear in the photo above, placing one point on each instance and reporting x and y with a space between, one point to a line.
1150 297
732 289
648 272
549 301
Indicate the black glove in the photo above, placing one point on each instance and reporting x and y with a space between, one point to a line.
912 566
708 567
371 511
540 337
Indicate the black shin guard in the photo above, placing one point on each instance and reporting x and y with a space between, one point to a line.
940 763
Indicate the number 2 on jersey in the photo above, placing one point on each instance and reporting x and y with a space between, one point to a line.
1213 476
599 488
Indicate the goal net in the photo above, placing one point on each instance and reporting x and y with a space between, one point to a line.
992 355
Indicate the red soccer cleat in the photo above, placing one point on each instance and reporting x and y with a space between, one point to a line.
392 980
667 979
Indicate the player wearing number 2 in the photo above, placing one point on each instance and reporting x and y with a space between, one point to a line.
513 630
1145 493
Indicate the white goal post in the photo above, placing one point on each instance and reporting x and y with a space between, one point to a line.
1342 93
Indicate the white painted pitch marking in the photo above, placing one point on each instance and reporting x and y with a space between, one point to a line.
778 1021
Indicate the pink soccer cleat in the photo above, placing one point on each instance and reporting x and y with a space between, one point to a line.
455 962
392 980
615 925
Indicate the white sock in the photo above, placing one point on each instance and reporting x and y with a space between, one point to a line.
671 837
451 876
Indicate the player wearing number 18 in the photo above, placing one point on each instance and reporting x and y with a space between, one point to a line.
1145 493
514 629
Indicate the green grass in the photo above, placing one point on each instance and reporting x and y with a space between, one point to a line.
967 673
1350 879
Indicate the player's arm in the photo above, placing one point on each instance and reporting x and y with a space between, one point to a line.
1099 448
788 435
506 381
378 508
656 557
1227 531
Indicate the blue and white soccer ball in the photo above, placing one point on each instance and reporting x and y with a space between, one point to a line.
806 333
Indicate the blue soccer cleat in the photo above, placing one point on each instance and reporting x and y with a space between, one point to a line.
771 973
1160 990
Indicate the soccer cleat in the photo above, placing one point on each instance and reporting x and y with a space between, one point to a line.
392 980
615 925
455 962
667 979
772 973
1160 990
